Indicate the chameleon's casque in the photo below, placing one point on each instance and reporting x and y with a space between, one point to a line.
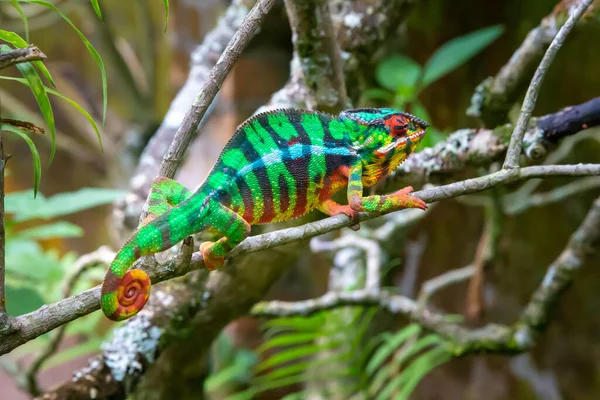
277 166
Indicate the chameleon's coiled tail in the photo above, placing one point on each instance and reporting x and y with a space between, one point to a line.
124 293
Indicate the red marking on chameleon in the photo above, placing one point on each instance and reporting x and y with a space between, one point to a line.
397 124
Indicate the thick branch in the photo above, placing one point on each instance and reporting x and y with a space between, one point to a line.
514 149
36 323
26 54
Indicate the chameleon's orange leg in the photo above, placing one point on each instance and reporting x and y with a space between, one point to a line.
233 228
332 208
390 202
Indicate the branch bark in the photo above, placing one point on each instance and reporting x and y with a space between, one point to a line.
26 54
36 323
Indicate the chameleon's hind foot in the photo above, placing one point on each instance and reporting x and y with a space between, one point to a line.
210 261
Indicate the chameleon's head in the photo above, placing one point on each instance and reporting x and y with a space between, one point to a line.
385 132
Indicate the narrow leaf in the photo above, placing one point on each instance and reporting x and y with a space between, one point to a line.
166 3
385 350
37 164
288 339
421 367
288 355
17 6
70 101
90 48
97 8
458 51
41 97
18 42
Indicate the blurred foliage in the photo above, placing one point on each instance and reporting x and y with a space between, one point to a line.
36 272
402 79
321 350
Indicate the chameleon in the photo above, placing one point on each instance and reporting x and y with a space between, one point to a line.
278 165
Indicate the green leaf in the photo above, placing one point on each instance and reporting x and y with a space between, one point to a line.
24 207
390 345
458 51
61 229
288 355
37 164
17 6
288 339
166 3
27 260
39 92
88 45
421 367
421 344
297 323
72 102
18 42
238 371
397 71
97 8
22 300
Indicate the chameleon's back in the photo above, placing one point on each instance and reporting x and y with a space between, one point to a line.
280 164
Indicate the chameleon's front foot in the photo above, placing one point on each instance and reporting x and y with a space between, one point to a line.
211 262
405 201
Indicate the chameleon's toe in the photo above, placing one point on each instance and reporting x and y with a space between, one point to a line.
408 201
210 261
353 214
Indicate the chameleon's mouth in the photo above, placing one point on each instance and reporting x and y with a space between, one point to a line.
402 141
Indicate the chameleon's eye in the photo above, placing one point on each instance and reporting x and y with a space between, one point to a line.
397 125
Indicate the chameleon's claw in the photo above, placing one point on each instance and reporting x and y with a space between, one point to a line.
210 261
410 201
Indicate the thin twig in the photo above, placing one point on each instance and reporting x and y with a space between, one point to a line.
174 156
514 149
433 285
36 323
553 196
370 247
26 54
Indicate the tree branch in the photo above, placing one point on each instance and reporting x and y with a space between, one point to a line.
3 160
480 147
26 54
514 149
36 323
495 96
203 59
491 338
174 156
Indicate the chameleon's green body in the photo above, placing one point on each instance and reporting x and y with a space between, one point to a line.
278 165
